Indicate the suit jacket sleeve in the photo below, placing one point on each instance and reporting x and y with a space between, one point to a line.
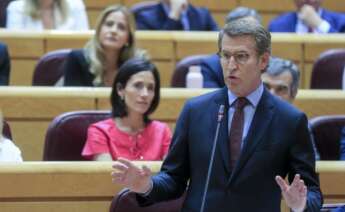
302 162
5 66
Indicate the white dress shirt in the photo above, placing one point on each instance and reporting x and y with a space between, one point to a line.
249 109
9 152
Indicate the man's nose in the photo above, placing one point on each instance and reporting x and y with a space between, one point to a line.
231 63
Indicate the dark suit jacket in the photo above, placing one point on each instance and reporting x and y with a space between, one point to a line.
77 70
288 21
5 65
278 143
211 70
154 18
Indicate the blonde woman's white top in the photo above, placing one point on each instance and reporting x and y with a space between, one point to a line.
9 151
76 20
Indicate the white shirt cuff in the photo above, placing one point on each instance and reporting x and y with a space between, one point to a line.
324 27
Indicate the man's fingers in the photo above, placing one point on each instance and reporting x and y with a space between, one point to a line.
120 167
126 162
146 170
282 184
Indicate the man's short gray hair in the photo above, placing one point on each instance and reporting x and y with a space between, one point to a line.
247 27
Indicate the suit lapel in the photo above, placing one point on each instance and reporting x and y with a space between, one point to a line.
222 144
261 120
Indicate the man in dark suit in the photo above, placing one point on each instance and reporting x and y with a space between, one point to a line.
309 18
175 15
260 142
4 65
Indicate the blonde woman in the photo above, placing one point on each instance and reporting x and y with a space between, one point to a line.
8 150
47 14
112 44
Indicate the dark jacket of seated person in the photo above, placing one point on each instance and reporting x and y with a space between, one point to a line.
157 17
287 22
112 44
5 65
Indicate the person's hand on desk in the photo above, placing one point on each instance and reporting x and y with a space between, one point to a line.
131 176
295 195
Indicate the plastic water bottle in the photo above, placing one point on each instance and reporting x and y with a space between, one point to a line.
194 78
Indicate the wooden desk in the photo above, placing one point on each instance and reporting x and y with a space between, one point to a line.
29 110
165 47
86 186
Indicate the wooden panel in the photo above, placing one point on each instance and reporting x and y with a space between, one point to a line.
56 206
267 17
158 48
320 102
219 17
308 67
269 5
70 186
24 47
74 42
93 15
188 48
100 4
29 137
166 70
42 107
287 50
22 71
313 50
334 5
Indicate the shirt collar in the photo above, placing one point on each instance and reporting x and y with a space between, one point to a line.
253 97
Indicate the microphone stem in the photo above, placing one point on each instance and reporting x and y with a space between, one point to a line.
210 167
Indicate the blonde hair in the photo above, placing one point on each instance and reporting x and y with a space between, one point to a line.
94 52
32 9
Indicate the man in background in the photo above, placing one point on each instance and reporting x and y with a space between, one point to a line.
310 17
175 15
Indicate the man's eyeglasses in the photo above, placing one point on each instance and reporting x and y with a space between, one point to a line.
240 57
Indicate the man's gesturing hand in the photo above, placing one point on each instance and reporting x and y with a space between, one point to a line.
131 176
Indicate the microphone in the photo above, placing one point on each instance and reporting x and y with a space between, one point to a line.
220 117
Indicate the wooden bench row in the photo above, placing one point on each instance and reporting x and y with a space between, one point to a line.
87 186
29 110
268 9
166 49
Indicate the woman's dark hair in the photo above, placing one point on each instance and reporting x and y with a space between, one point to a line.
125 72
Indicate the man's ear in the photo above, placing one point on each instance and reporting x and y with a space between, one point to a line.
264 61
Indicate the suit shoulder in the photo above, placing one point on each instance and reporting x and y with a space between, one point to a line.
285 108
282 20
